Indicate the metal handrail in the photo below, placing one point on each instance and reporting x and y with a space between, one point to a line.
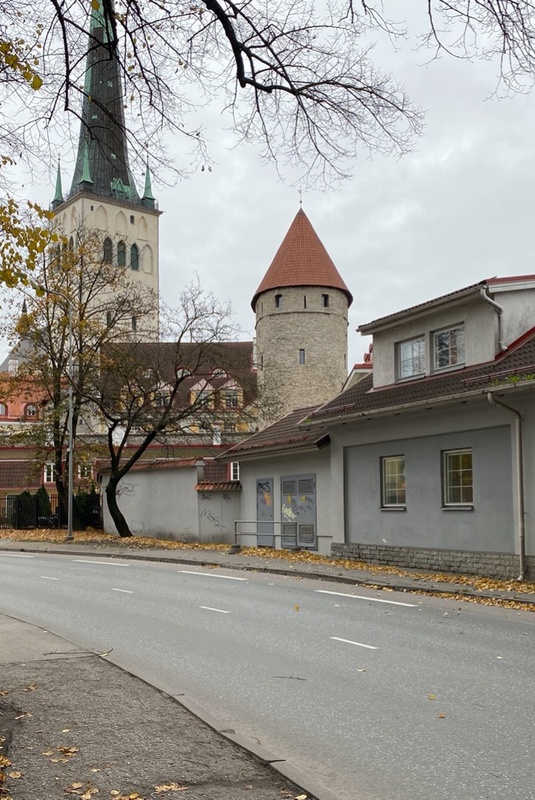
236 547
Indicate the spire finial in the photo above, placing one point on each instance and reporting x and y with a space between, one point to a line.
58 192
148 197
86 169
300 197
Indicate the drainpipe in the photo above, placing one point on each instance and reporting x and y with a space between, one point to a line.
519 482
499 310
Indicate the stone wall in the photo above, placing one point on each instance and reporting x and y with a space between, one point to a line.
300 323
495 565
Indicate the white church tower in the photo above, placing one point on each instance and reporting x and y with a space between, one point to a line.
103 195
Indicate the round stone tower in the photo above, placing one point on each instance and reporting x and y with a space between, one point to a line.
301 311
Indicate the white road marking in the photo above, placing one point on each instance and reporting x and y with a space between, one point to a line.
15 555
358 644
211 575
126 591
219 610
104 563
48 578
371 599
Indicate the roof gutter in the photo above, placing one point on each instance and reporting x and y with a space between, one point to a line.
519 482
499 310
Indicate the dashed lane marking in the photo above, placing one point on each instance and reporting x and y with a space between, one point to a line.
371 599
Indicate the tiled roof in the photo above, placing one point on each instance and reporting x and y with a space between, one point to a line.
234 360
284 436
19 474
362 397
302 260
222 486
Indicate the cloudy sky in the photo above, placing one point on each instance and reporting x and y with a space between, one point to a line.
458 209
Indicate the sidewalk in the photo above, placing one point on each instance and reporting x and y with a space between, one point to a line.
374 577
73 725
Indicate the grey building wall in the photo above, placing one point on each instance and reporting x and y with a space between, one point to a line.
314 462
217 512
161 503
490 526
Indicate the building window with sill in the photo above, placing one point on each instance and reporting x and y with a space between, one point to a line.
3 410
30 412
411 358
448 347
458 480
49 473
234 470
393 491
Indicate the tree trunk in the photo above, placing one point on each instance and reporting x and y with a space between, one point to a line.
116 514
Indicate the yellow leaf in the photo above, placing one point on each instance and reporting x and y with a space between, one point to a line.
15 774
441 716
4 761
31 688
36 83
95 5
297 608
432 697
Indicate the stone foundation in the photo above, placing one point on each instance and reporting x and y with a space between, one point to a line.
494 565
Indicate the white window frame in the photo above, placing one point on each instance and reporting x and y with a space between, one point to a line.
454 351
49 472
234 470
399 476
85 471
416 358
452 479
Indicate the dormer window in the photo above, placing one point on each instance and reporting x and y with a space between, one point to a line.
278 301
448 347
411 358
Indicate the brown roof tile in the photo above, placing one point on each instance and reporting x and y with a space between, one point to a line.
19 474
284 435
301 260
362 397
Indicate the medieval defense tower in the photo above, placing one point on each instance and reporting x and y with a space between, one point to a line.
301 309
103 195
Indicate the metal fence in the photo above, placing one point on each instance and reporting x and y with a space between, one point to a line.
27 510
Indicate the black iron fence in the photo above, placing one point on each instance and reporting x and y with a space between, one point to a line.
43 510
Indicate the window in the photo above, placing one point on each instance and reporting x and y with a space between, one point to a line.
107 251
3 410
458 478
121 254
13 366
231 398
325 300
49 472
278 301
85 471
30 411
411 358
393 481
448 347
134 257
304 301
132 219
301 357
216 435
134 324
109 319
234 470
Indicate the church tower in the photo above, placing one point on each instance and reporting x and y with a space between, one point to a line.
103 195
301 309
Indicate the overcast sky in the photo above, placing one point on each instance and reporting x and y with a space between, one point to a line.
458 209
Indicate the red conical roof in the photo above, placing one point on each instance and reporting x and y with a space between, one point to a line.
302 260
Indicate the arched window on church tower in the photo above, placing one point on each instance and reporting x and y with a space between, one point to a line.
107 250
121 254
134 257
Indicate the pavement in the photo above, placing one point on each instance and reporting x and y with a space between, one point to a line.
73 724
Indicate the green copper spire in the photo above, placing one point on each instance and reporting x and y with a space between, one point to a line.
58 194
102 161
148 197
86 168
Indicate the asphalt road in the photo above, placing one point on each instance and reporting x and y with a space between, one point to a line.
377 695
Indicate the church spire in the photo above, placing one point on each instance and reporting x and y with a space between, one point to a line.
58 193
148 198
102 148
